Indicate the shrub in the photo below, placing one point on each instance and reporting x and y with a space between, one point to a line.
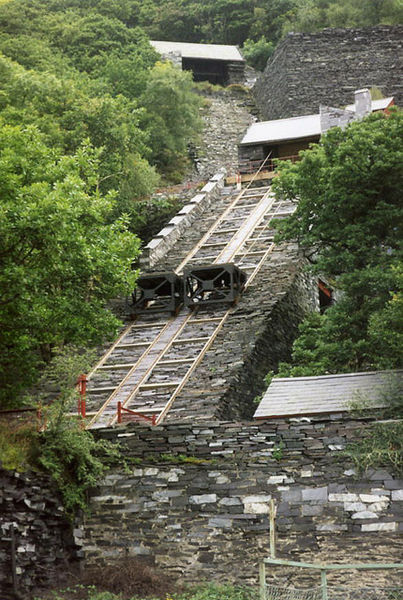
382 444
257 53
130 578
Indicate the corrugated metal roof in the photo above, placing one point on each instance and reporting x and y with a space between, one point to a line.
282 129
376 104
325 394
207 51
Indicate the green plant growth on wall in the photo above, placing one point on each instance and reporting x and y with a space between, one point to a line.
70 455
382 444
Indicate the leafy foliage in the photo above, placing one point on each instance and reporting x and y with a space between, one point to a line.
260 21
83 113
381 447
172 113
202 592
17 445
60 258
257 53
348 222
72 457
69 454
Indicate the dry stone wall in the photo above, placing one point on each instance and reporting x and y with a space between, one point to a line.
157 248
31 507
196 502
309 69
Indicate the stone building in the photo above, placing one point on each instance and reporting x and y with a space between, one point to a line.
285 138
217 63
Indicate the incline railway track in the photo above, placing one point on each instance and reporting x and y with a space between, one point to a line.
150 363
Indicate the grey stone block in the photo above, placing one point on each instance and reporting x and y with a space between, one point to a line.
319 493
203 499
292 496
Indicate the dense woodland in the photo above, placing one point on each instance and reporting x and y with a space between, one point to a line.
91 123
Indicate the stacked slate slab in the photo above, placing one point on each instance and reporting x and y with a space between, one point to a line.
308 69
196 502
35 529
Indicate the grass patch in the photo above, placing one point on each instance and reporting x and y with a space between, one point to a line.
165 592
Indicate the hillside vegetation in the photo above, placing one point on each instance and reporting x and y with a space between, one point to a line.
90 123
257 25
348 221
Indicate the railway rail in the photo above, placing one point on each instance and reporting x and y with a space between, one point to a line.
150 363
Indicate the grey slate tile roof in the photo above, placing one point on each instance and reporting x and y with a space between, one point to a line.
295 128
206 51
288 396
279 130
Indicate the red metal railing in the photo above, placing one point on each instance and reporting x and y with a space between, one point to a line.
21 413
137 415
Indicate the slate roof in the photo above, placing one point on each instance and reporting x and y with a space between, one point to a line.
295 128
281 130
376 104
206 51
292 396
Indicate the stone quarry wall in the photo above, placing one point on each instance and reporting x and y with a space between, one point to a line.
196 502
309 69
30 506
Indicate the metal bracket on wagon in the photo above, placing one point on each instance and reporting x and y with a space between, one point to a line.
213 284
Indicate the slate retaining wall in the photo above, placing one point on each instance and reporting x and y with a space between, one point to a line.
309 69
196 502
169 235
43 542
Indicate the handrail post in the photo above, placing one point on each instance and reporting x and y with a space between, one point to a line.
82 389
324 584
119 411
272 520
262 581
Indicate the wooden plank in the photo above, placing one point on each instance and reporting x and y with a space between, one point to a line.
191 340
175 361
111 367
153 386
246 177
134 345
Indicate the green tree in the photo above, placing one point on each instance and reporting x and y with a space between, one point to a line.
60 260
64 111
257 53
172 116
348 222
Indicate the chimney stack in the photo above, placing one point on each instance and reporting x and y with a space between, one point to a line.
363 103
